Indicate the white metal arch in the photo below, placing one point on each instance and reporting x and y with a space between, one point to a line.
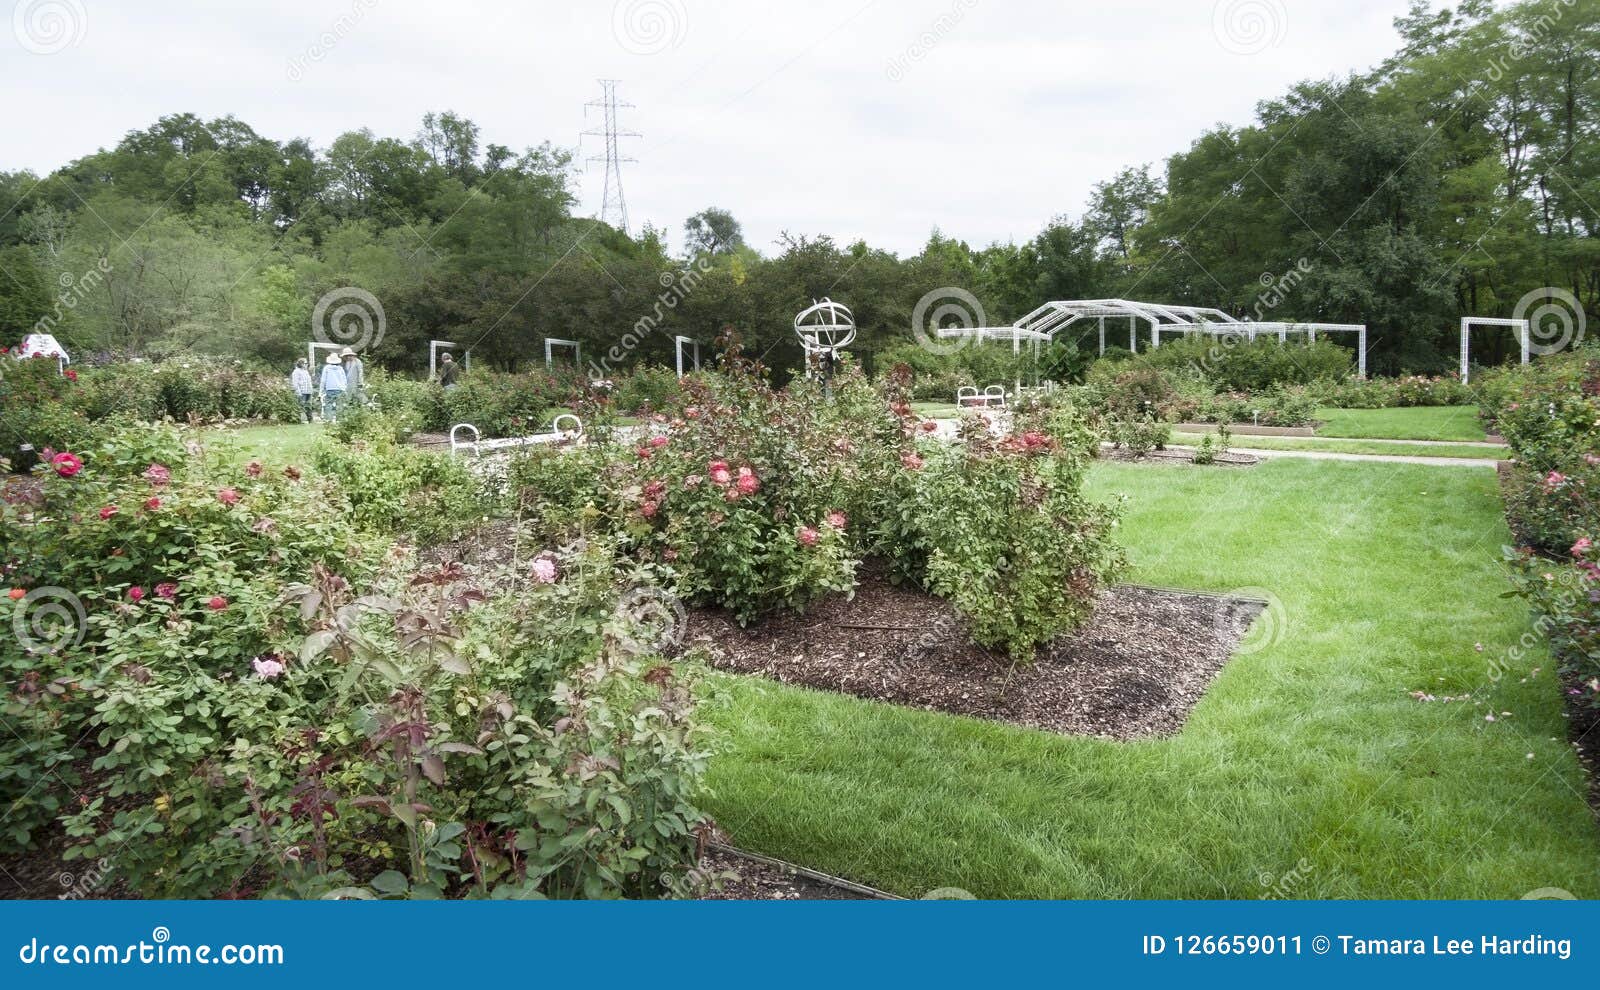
1468 322
551 342
678 343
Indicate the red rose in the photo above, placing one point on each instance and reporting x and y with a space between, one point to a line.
66 465
217 603
135 593
658 441
152 503
71 375
107 511
644 453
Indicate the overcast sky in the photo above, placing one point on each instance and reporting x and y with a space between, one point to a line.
865 119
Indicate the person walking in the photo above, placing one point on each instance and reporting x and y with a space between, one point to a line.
449 371
355 378
332 388
300 381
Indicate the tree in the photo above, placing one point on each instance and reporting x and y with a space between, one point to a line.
711 231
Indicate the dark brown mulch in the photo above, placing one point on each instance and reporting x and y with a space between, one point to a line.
1181 457
1134 671
741 877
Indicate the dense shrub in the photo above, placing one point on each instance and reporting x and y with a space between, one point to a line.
400 490
1009 537
1385 393
236 718
936 377
1549 413
1236 364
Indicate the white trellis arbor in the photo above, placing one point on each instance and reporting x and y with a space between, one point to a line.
678 343
1056 315
550 343
435 346
1468 322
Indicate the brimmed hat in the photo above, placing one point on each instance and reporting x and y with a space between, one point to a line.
333 358
347 352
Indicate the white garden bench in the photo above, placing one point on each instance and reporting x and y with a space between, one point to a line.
479 445
994 395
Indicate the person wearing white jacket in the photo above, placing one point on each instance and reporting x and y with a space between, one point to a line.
333 383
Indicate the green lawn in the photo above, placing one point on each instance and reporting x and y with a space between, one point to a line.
1348 446
285 442
1306 756
1412 423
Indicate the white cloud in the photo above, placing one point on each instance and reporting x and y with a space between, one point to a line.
858 119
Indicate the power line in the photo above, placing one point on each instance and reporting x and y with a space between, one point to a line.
613 206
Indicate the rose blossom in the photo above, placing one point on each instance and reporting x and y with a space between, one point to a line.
267 668
648 510
807 536
166 589
107 511
928 426
544 570
719 472
911 462
253 469
1580 547
836 519
748 482
228 496
217 603
70 375
658 441
152 503
644 453
135 593
66 464
1554 479
157 474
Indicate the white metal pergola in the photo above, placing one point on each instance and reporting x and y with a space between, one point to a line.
552 342
1468 322
435 346
678 343
1054 316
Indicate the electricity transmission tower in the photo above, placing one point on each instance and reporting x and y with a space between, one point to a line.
613 207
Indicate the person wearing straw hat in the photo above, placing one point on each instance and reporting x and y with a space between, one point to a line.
355 378
333 383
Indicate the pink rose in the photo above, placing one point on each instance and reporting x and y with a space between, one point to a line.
544 570
807 536
719 472
217 603
658 441
1554 479
267 668
911 462
157 474
66 464
228 496
836 520
135 593
747 483
648 510
166 589
1581 547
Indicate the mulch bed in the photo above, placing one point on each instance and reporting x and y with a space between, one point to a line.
747 877
1226 458
1134 671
